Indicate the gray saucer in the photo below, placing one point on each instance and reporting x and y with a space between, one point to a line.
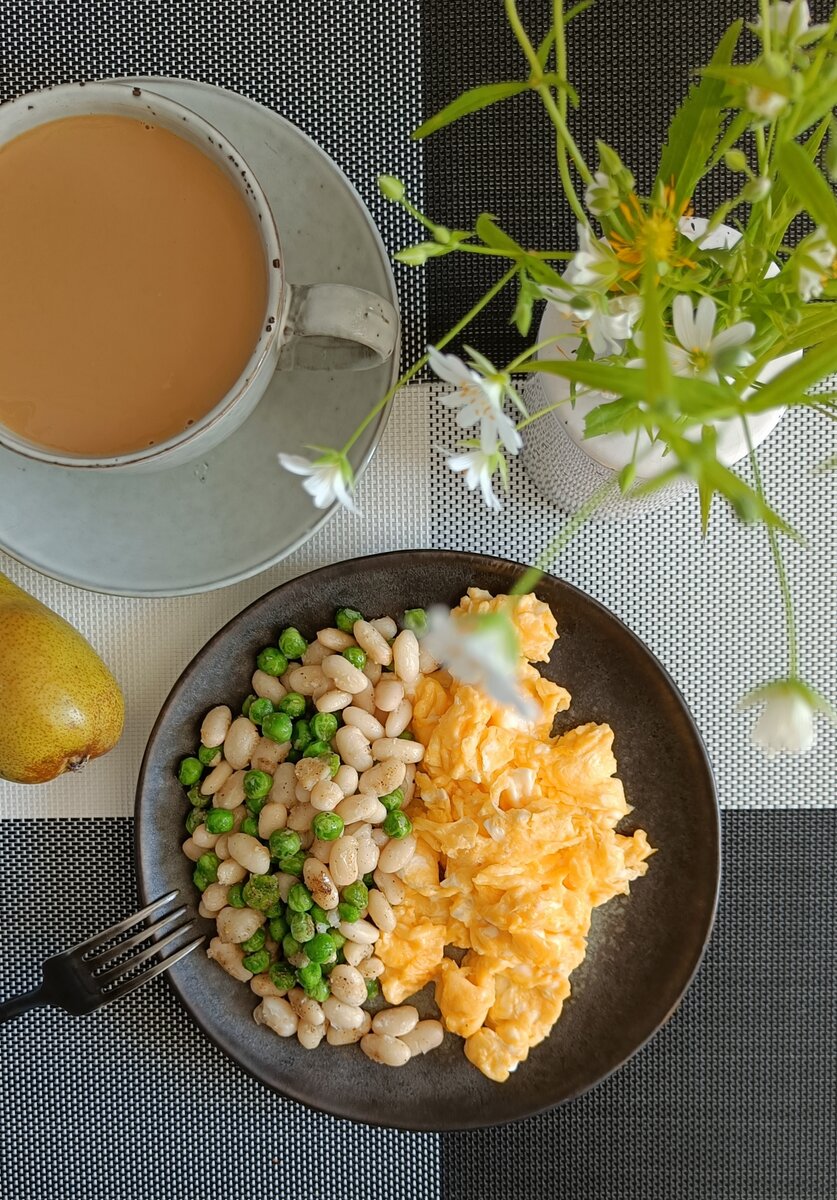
234 511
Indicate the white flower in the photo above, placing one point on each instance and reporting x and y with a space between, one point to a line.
594 264
786 721
479 400
815 261
478 467
700 353
787 17
607 324
765 103
329 477
480 651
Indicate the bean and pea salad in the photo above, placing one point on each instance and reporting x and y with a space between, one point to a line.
298 833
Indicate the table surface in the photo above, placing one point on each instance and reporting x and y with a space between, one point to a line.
736 1096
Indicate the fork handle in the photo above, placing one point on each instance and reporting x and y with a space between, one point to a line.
20 1004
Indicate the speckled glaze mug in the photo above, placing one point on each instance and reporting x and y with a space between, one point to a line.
321 326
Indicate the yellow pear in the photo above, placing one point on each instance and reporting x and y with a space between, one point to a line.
60 704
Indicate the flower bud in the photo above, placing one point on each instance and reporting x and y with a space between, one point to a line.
390 187
735 160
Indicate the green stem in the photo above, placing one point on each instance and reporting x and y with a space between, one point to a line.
530 577
542 412
764 11
417 366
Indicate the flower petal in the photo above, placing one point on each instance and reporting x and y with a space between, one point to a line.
684 322
296 464
705 322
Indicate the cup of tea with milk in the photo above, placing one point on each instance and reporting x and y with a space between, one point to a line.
144 306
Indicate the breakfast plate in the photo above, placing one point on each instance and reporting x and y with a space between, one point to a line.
643 948
196 527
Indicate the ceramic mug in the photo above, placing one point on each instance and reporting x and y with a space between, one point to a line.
326 326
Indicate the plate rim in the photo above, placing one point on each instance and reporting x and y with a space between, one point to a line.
383 419
512 567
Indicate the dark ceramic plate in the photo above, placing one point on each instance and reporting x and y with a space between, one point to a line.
643 949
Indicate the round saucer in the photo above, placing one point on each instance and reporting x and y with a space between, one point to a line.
232 512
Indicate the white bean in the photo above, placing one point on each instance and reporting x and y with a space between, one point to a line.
399 719
405 656
386 627
230 958
365 700
301 816
272 817
367 855
267 686
342 862
203 911
231 794
335 640
306 838
240 814
305 1008
191 849
277 1014
380 910
216 779
346 779
284 783
372 671
240 742
346 677
301 794
263 985
427 663
391 886
320 849
326 795
363 807
314 655
384 777
363 932
203 838
250 853
353 747
333 701
388 1051
425 1036
222 847
215 897
285 882
355 953
309 1036
231 872
368 725
308 680
395 1022
379 837
372 968
399 748
397 853
347 984
215 725
319 882
311 771
345 1037
370 640
268 754
342 1016
388 694
409 785
238 924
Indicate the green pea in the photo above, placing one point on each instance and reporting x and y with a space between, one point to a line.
256 806
415 619
309 976
302 927
407 735
272 661
250 825
301 736
397 824
284 842
196 797
357 894
292 643
278 727
235 896
372 989
194 818
293 756
210 756
333 764
315 749
255 942
200 879
208 864
338 939
348 912
292 864
257 784
299 898
321 948
393 799
327 826
369 880
282 976
190 771
318 915
293 704
261 891
320 991
277 927
259 710
355 656
323 726
277 909
290 946
345 618
248 703
257 963
219 820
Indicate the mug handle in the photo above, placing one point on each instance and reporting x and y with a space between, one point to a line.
332 326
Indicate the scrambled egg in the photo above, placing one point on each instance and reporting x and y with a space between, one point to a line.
516 847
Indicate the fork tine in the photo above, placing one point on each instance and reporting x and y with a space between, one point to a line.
131 984
141 936
134 961
121 926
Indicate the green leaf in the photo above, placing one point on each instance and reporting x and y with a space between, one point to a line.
657 366
751 75
471 101
805 181
577 10
563 85
487 229
526 297
815 103
696 125
545 47
789 387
